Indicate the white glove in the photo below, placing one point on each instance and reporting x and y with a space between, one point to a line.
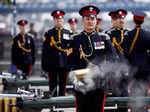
79 86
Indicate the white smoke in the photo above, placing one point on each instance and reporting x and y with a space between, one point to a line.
105 72
118 73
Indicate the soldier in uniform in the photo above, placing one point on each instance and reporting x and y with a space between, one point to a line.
98 25
34 36
55 53
91 47
32 31
23 50
138 48
118 32
73 25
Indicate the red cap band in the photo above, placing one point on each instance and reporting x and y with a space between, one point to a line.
123 14
71 22
89 12
61 14
22 22
138 18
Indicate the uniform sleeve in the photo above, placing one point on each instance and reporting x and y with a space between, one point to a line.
126 45
75 60
44 50
111 54
14 51
75 43
33 51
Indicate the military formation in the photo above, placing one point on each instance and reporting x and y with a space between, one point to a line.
64 51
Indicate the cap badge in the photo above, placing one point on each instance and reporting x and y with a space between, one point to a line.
120 12
91 8
58 12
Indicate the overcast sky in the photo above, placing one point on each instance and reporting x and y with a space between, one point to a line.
45 1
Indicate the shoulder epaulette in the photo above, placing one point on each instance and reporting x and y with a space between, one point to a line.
128 29
31 35
104 34
76 35
110 30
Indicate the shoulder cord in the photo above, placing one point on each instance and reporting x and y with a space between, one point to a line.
82 53
22 44
54 43
114 42
134 40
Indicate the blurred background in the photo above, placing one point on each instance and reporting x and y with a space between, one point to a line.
38 12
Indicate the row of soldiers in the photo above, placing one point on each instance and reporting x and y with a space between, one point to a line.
63 51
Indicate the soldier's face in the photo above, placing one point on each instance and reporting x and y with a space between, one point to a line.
58 21
22 28
73 26
120 22
114 22
89 22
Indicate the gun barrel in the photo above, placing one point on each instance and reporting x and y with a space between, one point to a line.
23 96
13 82
6 77
69 101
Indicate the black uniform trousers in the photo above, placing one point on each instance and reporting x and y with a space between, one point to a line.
26 69
92 101
58 78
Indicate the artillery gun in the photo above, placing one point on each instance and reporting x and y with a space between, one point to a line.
28 101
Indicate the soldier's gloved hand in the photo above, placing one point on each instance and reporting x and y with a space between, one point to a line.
79 86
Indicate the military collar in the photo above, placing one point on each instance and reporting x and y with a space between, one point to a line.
138 27
120 29
58 28
22 34
89 34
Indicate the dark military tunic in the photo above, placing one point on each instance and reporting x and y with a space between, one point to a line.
117 37
23 50
95 46
71 57
54 58
139 56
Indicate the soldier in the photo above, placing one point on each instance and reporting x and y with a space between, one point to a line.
138 48
91 47
55 53
73 25
32 31
118 32
23 50
98 25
